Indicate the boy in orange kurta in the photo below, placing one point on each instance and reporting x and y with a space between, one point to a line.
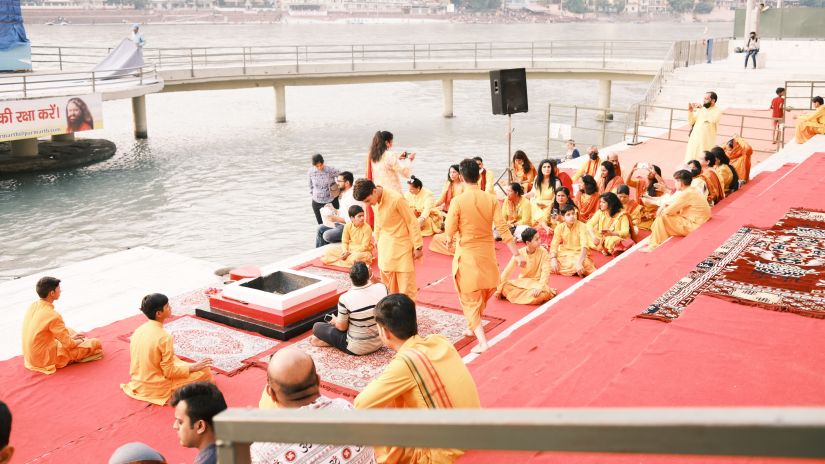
570 248
356 242
397 234
475 269
530 288
154 369
48 344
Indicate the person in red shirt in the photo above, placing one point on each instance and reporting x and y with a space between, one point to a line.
777 112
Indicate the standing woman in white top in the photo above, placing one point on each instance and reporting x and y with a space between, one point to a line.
385 168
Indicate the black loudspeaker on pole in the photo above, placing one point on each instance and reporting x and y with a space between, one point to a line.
508 91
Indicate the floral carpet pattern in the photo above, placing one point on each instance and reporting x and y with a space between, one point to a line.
347 375
196 339
781 269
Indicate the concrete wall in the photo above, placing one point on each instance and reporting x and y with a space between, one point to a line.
803 23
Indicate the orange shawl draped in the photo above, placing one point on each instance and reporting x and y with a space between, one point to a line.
614 182
369 216
740 158
716 192
588 208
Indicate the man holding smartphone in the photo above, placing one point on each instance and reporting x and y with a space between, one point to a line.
705 121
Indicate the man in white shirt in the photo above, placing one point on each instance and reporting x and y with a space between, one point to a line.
292 382
137 37
326 234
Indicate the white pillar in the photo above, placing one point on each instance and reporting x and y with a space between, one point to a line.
604 97
139 117
748 18
24 147
447 93
280 103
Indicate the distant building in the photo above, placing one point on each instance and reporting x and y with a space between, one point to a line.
412 7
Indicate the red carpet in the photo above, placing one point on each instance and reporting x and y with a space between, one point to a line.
590 351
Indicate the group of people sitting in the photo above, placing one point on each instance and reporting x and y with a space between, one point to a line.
426 372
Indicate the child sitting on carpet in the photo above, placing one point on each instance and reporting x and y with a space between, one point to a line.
570 248
356 242
530 288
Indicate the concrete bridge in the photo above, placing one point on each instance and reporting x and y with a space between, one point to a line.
65 70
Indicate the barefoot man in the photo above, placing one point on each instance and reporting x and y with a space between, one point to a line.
475 270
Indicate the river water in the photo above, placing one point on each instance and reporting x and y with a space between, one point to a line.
218 180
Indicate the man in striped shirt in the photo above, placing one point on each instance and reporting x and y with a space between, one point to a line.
353 330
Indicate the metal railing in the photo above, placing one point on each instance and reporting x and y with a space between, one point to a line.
798 96
768 432
46 84
528 54
674 127
609 125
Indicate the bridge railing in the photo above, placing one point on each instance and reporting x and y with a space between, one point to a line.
529 53
67 82
768 432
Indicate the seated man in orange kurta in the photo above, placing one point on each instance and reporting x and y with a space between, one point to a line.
154 369
687 211
48 344
810 124
425 373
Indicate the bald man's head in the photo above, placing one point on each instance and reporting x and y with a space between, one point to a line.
291 378
613 157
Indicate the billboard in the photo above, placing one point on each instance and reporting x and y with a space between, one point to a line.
40 117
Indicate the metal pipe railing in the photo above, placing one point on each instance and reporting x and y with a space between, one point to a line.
757 432
40 83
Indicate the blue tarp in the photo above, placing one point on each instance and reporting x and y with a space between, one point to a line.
12 32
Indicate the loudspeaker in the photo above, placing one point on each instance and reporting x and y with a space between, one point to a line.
508 89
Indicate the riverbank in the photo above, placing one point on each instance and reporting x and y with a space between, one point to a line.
83 16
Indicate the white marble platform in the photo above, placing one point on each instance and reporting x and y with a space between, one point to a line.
102 290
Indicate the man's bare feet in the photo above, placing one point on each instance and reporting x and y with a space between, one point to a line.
468 333
478 349
315 341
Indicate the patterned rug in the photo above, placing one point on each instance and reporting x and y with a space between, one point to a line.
781 269
185 303
670 305
229 349
347 375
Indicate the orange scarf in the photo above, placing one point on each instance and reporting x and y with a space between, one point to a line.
715 190
587 209
369 216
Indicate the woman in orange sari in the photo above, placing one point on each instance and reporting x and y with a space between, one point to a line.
523 171
452 188
631 207
704 171
739 152
651 185
587 198
606 179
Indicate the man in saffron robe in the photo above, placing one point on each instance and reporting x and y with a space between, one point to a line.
426 372
486 180
48 344
614 160
397 234
687 211
475 269
705 121
154 369
810 124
